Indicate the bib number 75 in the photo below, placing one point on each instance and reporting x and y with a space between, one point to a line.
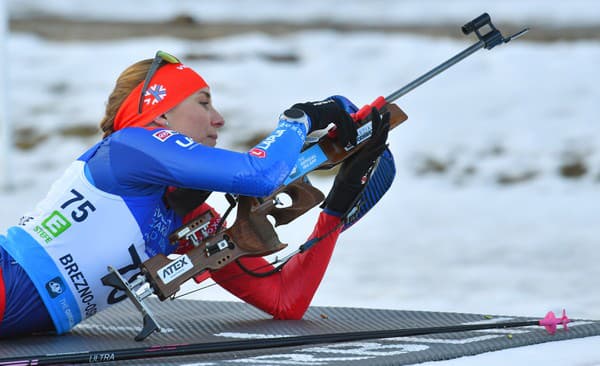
81 212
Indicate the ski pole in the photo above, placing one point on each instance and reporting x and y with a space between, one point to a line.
549 322
487 40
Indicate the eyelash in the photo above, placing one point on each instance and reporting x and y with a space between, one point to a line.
204 104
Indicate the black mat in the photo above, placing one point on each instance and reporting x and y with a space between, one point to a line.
188 321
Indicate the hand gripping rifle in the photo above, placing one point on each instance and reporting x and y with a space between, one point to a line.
252 234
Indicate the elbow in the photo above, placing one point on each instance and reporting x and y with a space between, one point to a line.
256 187
269 186
291 313
273 177
291 305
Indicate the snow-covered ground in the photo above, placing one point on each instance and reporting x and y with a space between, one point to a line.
451 234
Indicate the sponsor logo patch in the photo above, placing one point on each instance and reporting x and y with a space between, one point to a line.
269 140
364 132
163 135
55 287
259 153
56 224
175 269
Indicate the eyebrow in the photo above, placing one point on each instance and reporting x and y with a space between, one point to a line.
207 94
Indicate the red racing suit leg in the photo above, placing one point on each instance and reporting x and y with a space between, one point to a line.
285 294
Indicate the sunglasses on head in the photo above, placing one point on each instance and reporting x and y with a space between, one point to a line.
160 58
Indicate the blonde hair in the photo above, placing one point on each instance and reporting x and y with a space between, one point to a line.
126 82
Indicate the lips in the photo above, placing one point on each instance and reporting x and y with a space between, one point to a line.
211 140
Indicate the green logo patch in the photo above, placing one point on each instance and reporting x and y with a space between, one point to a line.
56 224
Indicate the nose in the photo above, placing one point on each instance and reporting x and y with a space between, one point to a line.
217 120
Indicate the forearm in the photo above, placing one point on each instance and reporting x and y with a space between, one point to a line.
285 294
136 162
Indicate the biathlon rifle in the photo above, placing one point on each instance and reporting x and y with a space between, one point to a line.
252 234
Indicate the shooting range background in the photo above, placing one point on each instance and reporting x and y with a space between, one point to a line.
494 208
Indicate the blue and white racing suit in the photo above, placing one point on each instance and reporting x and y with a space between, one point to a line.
108 208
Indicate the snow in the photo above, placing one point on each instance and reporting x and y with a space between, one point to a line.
581 352
456 240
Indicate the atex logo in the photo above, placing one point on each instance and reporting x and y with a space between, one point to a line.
175 269
55 287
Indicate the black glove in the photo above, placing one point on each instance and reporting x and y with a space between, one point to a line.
353 174
328 111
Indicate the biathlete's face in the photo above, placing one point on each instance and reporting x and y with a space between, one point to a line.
197 118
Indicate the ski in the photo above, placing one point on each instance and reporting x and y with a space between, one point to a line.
550 322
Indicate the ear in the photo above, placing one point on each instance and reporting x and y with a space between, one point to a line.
161 121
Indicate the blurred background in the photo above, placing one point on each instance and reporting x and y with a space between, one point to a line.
495 204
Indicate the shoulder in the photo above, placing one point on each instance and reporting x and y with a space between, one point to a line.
134 133
153 137
138 138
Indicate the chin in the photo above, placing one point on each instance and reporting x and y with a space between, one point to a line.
210 142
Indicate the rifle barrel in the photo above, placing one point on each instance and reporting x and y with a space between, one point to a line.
435 71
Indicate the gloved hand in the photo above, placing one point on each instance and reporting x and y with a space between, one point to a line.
354 172
335 109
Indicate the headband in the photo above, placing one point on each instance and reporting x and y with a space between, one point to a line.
170 85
